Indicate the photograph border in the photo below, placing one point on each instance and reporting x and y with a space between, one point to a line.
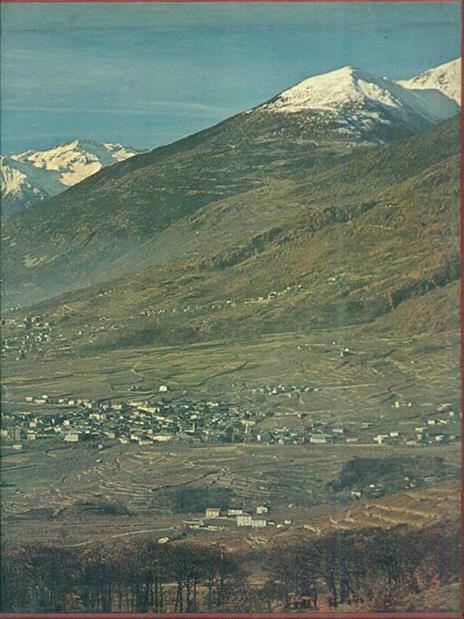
307 614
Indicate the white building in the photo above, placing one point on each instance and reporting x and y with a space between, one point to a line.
162 438
72 437
234 512
244 520
318 439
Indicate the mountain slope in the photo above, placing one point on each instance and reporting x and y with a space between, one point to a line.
374 239
75 238
32 176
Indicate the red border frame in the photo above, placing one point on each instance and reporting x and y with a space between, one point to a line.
215 1
288 615
309 614
219 1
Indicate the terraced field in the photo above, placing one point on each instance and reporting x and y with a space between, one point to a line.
414 508
79 493
381 368
76 493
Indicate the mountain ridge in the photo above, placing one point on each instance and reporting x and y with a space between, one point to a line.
77 237
35 175
351 89
446 78
329 252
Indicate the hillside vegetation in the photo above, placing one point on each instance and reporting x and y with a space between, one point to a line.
373 240
71 240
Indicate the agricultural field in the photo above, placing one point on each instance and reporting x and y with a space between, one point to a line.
77 494
421 369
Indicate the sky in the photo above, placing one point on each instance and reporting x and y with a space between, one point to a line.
148 74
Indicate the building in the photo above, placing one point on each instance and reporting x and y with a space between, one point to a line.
258 523
15 433
262 509
235 511
264 437
194 524
163 389
244 520
72 437
318 439
162 438
212 512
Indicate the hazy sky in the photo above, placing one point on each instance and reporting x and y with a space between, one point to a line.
146 75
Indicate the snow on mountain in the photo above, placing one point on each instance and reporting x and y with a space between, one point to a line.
347 106
35 175
14 183
445 78
76 160
118 151
371 100
11 179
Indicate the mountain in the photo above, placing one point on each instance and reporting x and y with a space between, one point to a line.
361 102
372 240
32 176
120 219
445 78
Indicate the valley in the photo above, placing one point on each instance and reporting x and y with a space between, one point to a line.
244 343
276 399
78 498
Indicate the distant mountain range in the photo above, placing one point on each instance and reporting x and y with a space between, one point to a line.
262 200
35 175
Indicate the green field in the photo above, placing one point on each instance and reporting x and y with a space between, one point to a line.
422 369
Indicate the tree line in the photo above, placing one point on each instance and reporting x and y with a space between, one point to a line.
368 569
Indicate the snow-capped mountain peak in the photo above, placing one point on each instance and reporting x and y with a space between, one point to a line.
12 180
75 160
331 91
445 78
352 90
35 175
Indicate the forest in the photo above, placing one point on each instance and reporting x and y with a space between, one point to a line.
375 568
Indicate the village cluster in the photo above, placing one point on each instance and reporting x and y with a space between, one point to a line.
32 335
220 305
216 519
160 419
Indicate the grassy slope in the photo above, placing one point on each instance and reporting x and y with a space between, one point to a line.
374 238
69 239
